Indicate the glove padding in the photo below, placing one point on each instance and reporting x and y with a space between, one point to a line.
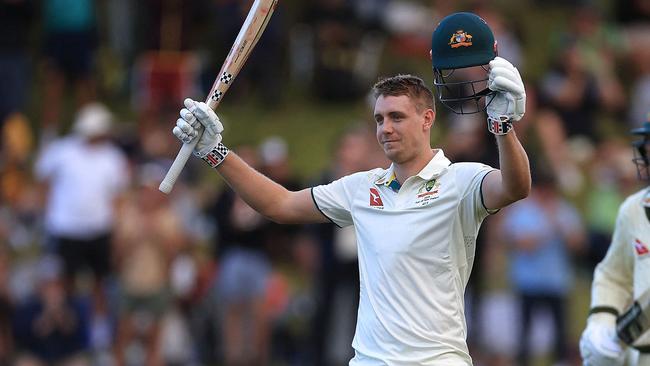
198 120
509 102
598 344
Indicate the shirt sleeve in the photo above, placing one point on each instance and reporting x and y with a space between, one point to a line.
469 177
46 163
335 199
613 278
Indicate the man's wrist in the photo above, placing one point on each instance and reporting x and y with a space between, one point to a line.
499 126
217 155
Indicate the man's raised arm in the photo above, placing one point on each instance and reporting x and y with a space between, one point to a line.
512 182
267 197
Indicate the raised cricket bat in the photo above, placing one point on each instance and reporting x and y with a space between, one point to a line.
635 321
250 32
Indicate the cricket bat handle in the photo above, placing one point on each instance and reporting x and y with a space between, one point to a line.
177 166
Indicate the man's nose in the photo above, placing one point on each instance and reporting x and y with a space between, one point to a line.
387 126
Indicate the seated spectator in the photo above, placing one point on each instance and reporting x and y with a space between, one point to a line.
52 327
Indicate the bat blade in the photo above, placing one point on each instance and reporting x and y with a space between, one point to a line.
635 321
250 32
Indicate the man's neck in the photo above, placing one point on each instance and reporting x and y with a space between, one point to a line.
410 168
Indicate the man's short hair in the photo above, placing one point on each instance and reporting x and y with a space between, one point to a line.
409 85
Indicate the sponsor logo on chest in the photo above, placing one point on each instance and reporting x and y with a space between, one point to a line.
375 199
641 248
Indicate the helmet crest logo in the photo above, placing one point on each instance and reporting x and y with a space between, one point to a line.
460 38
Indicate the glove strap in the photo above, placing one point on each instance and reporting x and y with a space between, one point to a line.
499 126
217 155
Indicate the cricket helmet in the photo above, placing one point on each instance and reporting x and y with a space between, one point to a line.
641 150
462 40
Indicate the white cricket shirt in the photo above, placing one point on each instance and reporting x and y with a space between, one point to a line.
84 182
624 273
416 250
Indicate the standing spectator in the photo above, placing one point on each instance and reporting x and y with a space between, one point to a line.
544 231
148 235
52 327
85 174
584 83
337 281
243 277
69 43
336 33
15 21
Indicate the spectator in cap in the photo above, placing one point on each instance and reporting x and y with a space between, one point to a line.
84 174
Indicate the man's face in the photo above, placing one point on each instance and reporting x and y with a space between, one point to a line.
402 131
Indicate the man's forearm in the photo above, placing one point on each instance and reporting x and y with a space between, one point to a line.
266 196
514 166
260 192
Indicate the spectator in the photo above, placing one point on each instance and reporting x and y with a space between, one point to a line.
243 276
6 307
336 33
337 281
583 84
85 174
148 236
52 327
16 20
544 230
69 44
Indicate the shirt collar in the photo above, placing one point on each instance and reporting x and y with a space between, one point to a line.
436 167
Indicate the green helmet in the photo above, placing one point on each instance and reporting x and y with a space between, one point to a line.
641 149
462 40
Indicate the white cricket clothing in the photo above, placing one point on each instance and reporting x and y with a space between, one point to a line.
624 273
416 251
84 182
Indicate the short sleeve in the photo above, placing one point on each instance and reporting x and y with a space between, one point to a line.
469 178
46 163
335 199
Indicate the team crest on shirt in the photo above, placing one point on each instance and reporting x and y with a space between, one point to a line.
429 191
375 199
641 248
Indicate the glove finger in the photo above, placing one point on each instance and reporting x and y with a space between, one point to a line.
503 84
208 118
184 126
187 115
184 137
505 72
499 71
501 62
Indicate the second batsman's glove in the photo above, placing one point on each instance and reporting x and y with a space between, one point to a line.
598 344
198 120
509 102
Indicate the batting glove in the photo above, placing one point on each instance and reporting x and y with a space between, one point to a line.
198 120
509 103
599 345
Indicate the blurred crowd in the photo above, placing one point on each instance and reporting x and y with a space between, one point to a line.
99 268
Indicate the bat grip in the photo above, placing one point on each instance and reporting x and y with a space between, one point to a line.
177 166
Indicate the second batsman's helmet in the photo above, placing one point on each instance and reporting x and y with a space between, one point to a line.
641 149
462 40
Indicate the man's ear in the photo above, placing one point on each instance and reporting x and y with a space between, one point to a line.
429 118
